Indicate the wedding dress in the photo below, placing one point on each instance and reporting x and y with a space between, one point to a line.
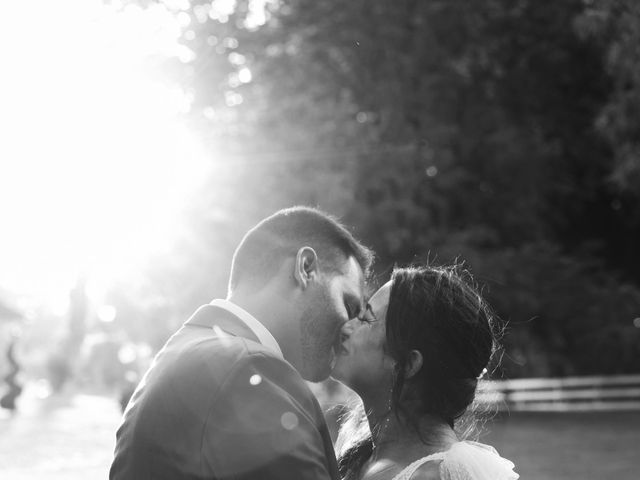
466 461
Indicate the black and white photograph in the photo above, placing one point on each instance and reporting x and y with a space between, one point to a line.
320 240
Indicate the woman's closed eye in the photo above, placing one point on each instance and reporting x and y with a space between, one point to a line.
367 315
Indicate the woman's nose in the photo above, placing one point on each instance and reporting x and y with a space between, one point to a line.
347 327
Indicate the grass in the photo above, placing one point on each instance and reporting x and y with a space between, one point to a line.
562 446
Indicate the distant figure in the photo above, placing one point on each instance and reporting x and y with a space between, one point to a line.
8 400
59 370
415 360
225 397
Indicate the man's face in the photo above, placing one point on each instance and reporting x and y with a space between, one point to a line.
333 300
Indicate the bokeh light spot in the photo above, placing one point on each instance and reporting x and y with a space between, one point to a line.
244 75
289 420
432 171
255 380
127 354
107 313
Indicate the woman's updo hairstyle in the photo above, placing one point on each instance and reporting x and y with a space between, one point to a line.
437 311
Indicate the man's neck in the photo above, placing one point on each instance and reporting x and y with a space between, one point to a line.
262 307
248 304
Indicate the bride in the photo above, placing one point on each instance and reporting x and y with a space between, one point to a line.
414 358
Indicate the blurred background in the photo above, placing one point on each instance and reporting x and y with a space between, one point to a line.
141 139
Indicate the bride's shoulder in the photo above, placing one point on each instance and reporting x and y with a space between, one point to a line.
477 461
427 471
463 461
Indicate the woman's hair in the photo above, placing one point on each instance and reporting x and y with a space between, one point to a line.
439 312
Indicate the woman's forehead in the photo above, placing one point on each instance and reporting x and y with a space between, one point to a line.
380 299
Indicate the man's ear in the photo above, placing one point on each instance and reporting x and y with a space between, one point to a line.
414 363
306 266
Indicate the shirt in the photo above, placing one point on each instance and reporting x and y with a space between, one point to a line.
252 323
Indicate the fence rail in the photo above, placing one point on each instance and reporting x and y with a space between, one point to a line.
594 393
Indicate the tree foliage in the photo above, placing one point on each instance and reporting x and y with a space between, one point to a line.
500 132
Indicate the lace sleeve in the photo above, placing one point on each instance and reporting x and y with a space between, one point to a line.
475 461
408 472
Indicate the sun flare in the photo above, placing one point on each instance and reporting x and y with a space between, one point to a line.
96 161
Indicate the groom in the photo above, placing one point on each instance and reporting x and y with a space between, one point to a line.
225 397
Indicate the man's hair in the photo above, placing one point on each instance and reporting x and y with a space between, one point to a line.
263 249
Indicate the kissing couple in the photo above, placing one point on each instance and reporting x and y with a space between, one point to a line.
226 397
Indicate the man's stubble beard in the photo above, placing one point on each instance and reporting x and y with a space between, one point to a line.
315 347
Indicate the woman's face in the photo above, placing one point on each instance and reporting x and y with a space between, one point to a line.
362 363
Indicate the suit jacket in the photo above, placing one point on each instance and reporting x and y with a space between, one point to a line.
216 404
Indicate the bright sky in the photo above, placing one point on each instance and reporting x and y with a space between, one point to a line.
95 162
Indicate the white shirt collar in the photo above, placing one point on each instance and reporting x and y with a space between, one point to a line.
250 321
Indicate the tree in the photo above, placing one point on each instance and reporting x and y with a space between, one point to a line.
498 132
